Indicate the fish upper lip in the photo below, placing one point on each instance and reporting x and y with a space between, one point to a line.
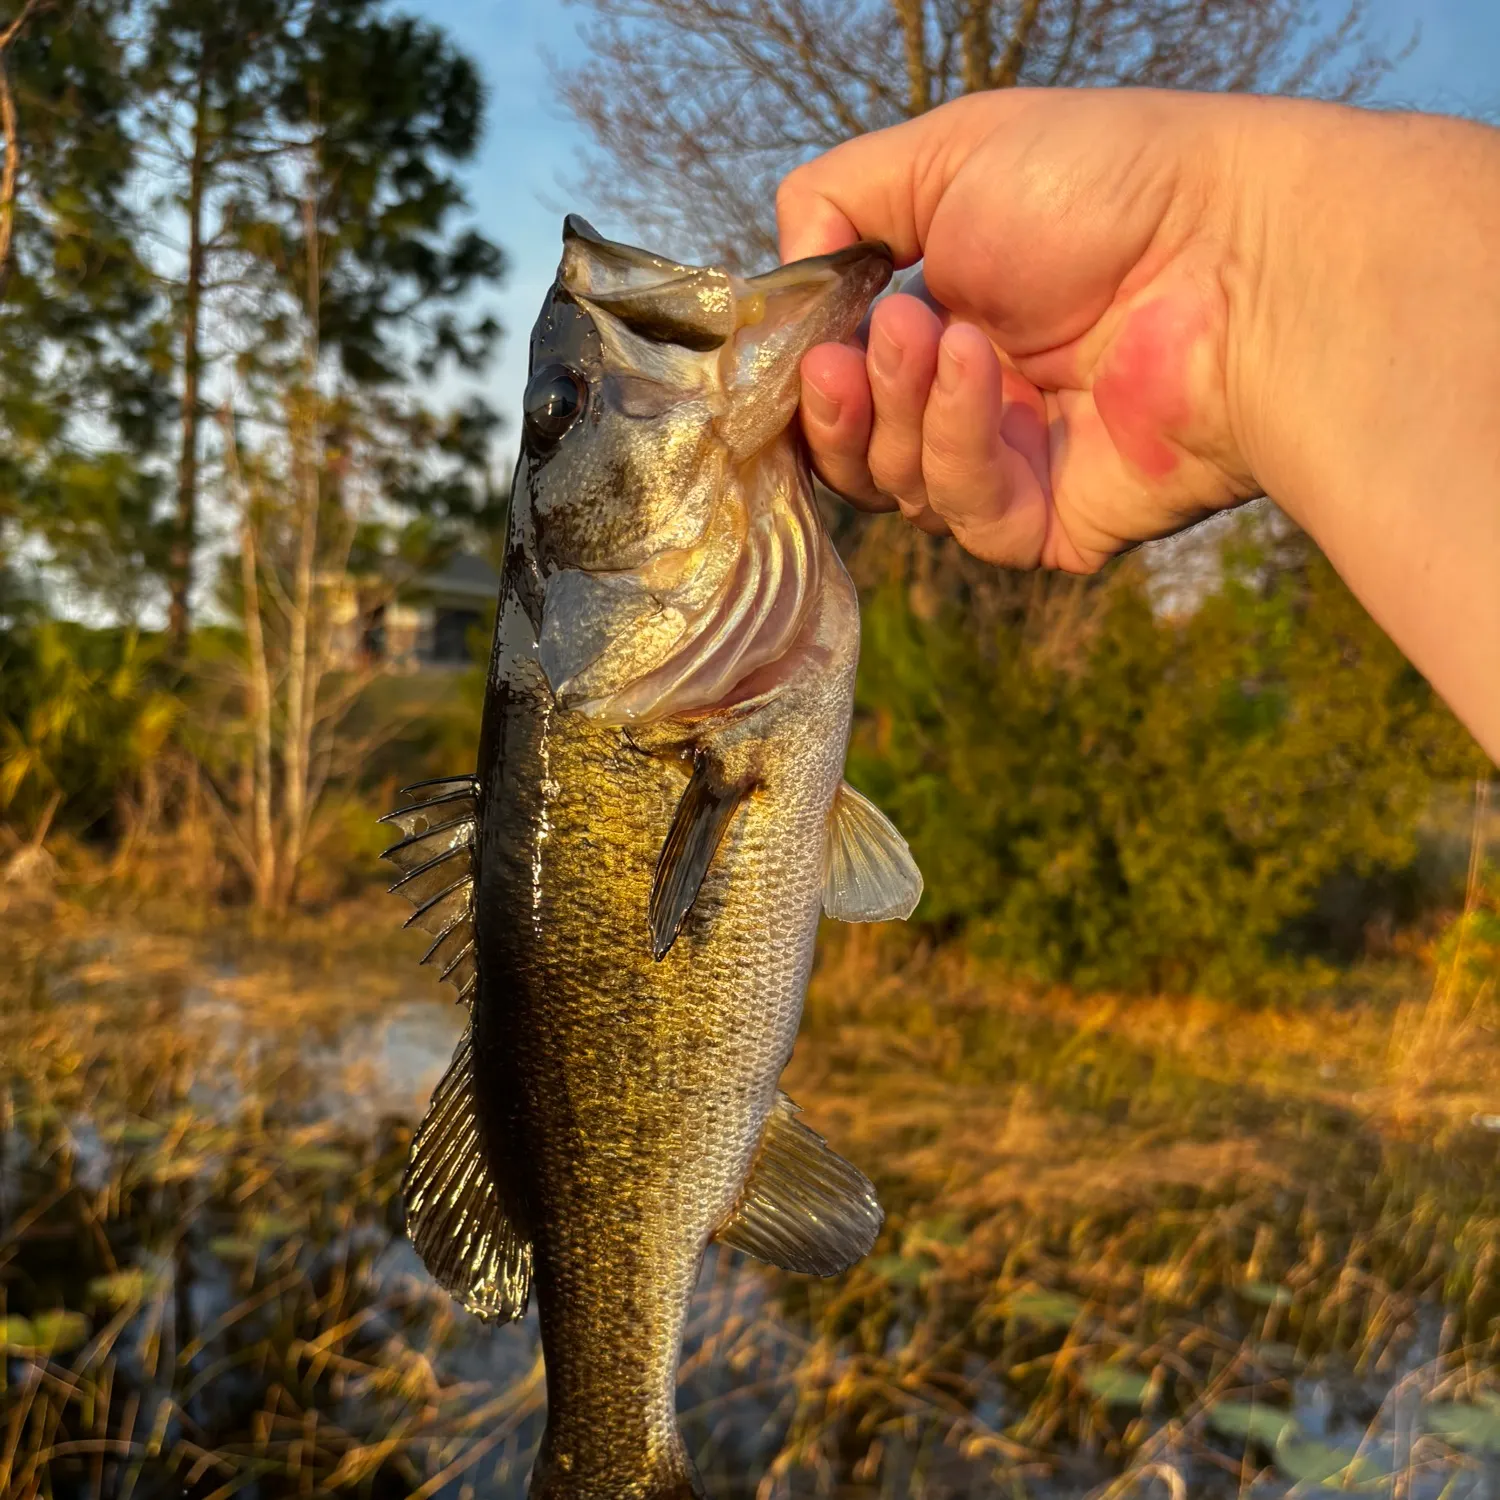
861 250
838 261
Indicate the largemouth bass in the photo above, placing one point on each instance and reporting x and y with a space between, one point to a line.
627 890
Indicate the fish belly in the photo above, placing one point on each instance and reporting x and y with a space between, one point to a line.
629 1096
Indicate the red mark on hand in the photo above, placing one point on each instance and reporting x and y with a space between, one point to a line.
1142 393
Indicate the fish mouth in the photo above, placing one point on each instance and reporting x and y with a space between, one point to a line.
702 308
681 632
865 258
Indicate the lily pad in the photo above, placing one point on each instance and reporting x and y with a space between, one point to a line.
1310 1462
16 1332
1475 1428
55 1331
137 1132
122 1288
60 1329
234 1247
320 1159
1250 1421
1116 1385
273 1227
1265 1293
1043 1308
946 1229
902 1270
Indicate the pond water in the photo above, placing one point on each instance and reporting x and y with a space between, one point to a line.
266 1260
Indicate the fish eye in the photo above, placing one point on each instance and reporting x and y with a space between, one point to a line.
555 396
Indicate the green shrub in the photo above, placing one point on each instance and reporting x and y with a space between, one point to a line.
1150 801
83 716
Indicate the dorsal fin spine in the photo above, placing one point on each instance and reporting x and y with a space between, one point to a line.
451 845
466 879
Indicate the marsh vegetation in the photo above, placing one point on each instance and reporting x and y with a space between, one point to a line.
1183 1087
1156 1247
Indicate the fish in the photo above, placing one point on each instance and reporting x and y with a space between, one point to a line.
627 889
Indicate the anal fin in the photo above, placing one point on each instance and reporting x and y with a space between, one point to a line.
456 1215
868 872
803 1207
697 829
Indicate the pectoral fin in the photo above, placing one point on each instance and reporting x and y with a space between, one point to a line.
803 1207
697 829
456 1214
868 872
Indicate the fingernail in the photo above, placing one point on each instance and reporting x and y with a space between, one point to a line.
821 407
885 355
950 373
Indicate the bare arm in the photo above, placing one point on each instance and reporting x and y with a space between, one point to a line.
1166 303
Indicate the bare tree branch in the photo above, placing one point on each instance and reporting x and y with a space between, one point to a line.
697 108
914 34
977 44
1008 71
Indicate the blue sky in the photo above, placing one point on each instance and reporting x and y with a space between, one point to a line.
519 181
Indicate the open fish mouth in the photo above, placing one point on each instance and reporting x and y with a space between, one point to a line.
726 590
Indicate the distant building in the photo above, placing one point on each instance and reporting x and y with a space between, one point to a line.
427 625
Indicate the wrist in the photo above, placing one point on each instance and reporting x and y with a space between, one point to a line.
1344 261
1286 250
1363 367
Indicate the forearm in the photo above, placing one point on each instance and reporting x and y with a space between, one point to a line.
1369 392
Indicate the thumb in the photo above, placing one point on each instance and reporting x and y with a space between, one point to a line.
881 186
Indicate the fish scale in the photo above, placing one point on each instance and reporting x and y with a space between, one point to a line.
628 889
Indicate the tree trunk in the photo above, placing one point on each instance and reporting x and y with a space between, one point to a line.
180 565
977 44
262 769
11 127
1008 71
914 34
302 673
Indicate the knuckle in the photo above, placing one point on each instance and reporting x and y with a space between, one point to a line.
792 188
896 469
948 457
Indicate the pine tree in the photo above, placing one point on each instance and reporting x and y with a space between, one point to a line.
81 401
239 97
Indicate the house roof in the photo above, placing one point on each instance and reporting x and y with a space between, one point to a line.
465 575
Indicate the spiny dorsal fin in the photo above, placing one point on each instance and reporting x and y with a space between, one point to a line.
697 828
455 1214
803 1207
868 872
436 857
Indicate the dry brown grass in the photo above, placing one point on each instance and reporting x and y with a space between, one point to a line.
1108 1219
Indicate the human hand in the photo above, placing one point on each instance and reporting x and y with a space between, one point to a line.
1162 304
1090 385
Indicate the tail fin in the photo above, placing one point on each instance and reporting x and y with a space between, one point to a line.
674 1479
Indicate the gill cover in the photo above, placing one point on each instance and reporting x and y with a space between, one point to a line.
672 518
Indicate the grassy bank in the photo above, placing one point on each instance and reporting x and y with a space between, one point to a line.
1163 1247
